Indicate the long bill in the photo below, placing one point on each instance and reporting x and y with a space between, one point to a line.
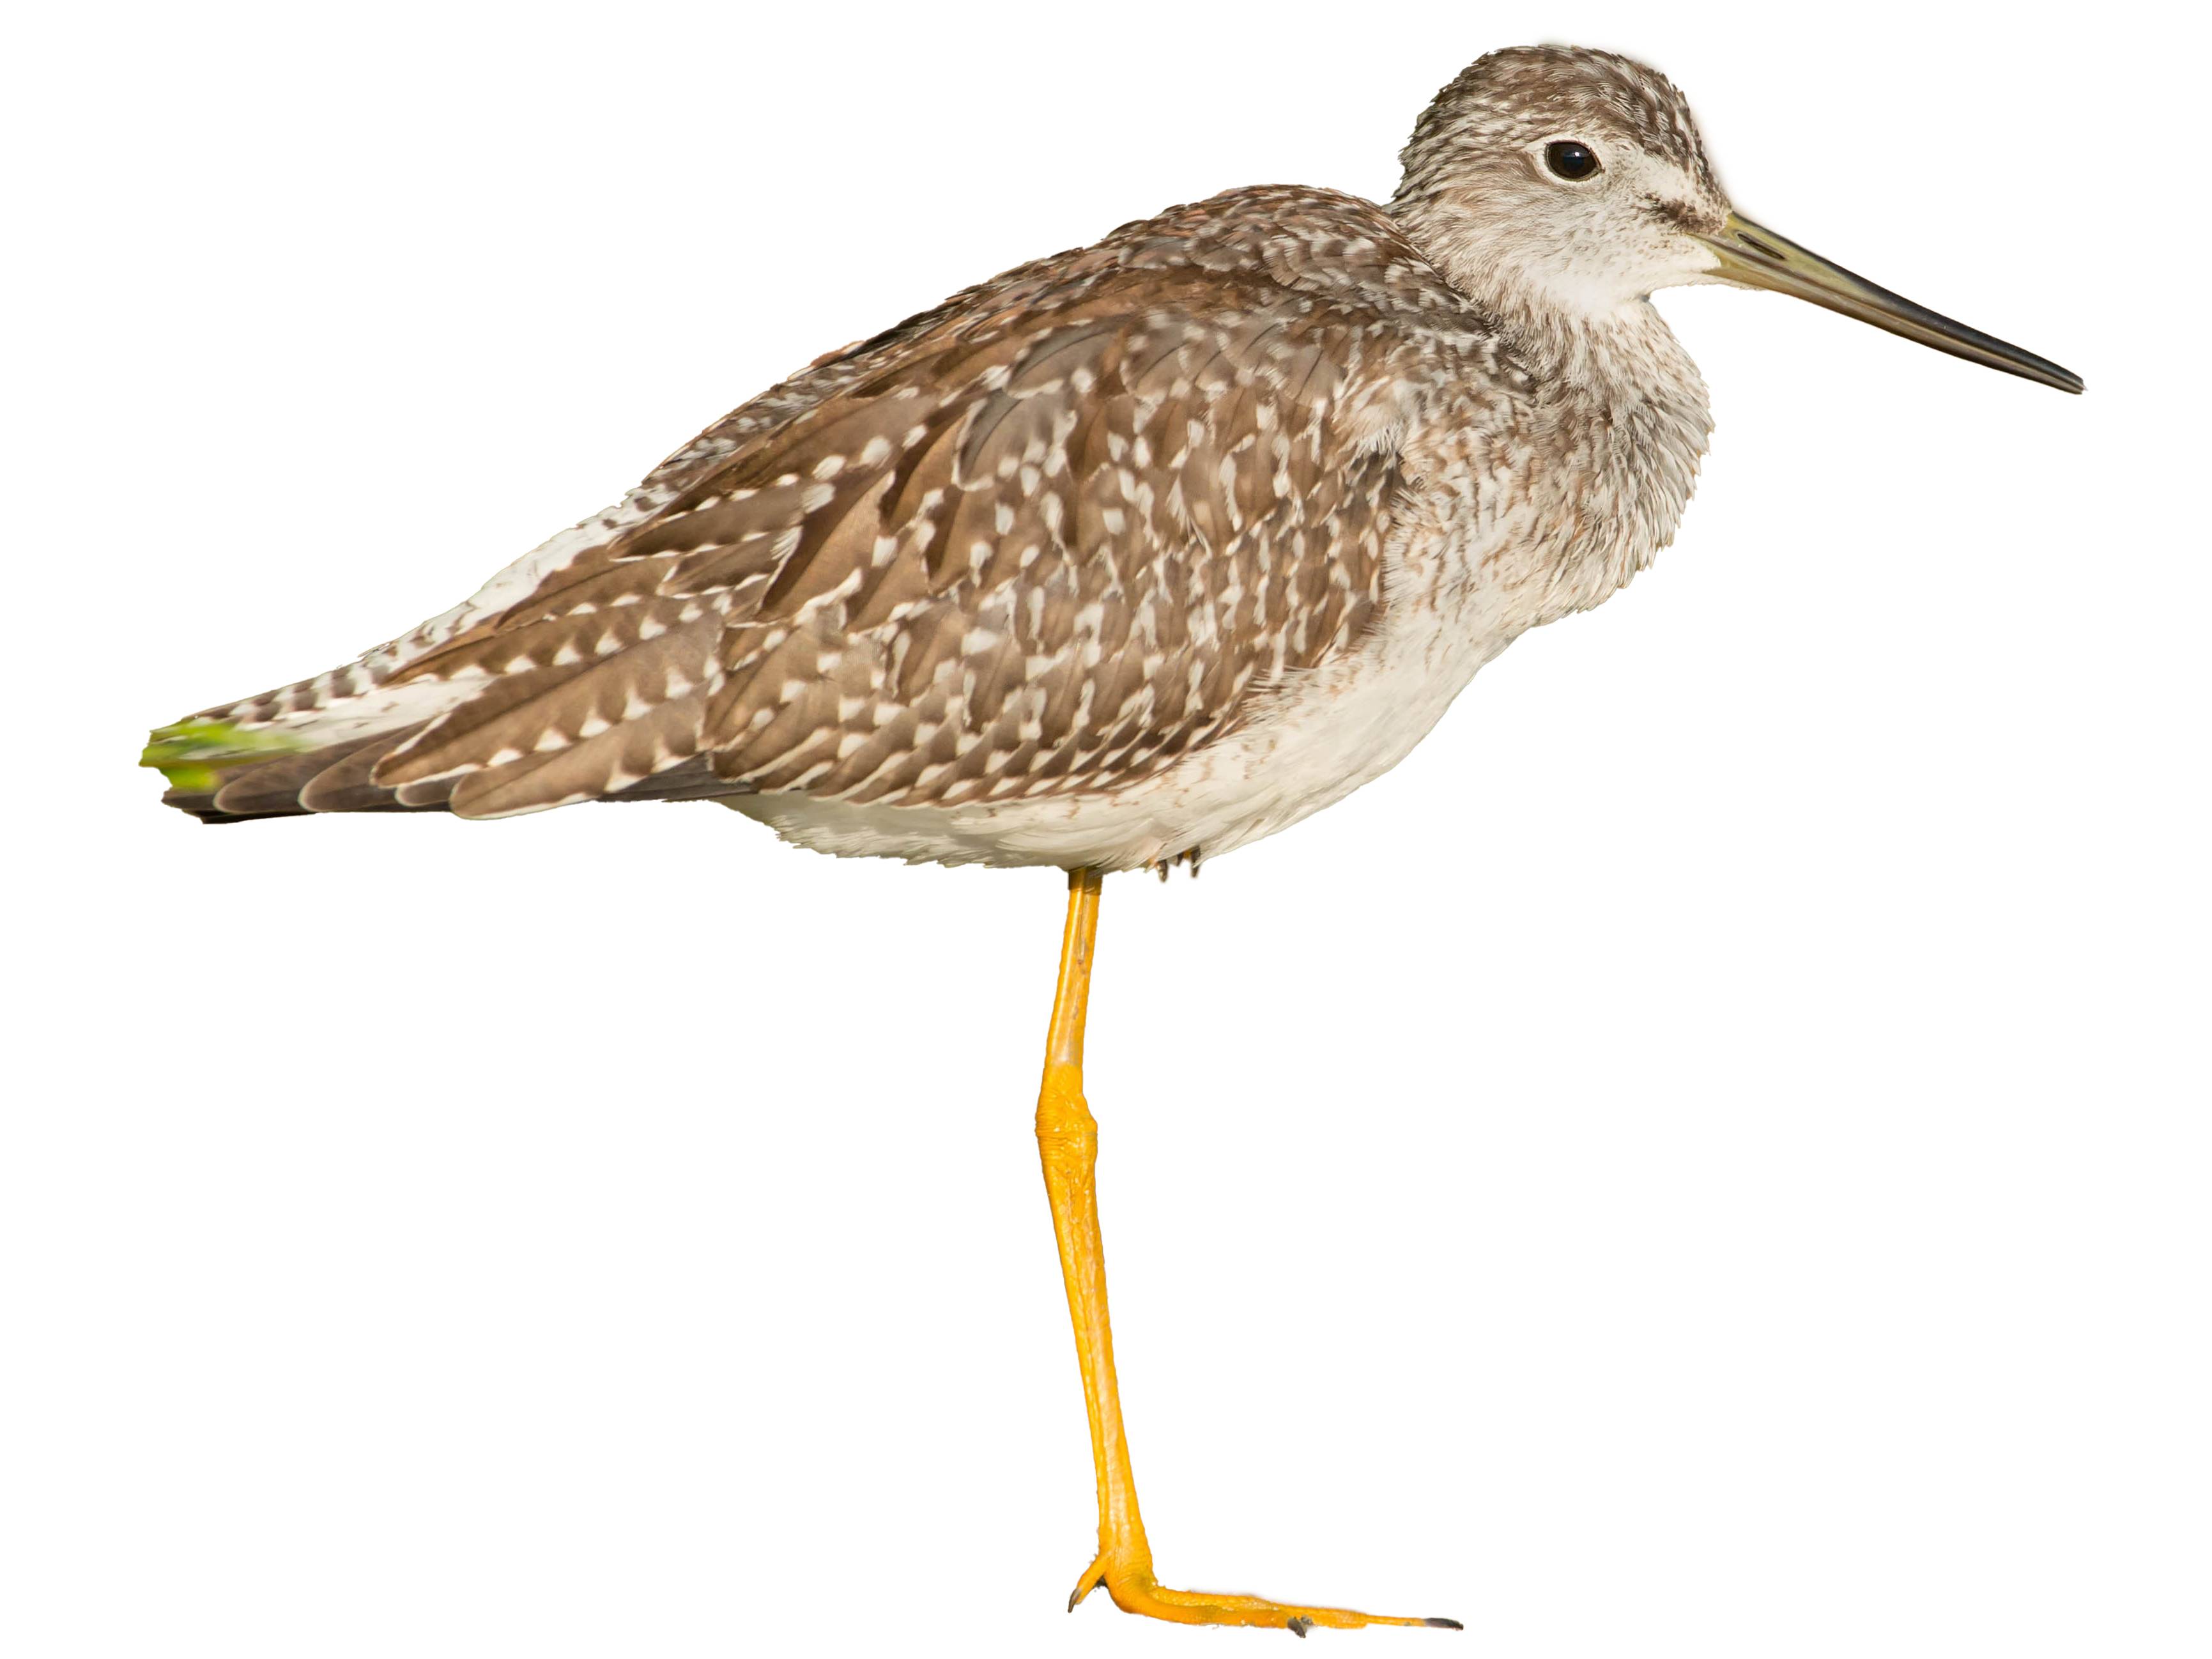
1751 256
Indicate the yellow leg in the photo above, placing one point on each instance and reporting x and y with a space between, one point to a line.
1067 1137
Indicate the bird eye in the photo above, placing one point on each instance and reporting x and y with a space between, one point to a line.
1570 159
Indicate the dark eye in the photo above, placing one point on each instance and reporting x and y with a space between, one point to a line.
1570 159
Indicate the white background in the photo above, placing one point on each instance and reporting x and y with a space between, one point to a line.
1708 1157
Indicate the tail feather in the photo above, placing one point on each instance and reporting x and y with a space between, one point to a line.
430 793
226 775
275 786
348 784
221 774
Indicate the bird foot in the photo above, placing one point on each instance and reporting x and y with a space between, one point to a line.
1136 1590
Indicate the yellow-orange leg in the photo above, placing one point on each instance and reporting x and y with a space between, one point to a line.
1067 1136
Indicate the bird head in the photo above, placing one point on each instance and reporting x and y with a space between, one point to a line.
1557 183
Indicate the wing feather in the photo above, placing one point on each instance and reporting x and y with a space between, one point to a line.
1071 526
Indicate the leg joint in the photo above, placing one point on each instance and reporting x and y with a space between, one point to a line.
1064 1123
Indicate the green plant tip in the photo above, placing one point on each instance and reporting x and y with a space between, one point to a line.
192 754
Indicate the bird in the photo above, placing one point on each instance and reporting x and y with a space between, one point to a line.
1121 560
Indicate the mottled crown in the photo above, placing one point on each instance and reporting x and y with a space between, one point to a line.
1509 98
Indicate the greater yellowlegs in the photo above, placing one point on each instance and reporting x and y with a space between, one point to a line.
1130 556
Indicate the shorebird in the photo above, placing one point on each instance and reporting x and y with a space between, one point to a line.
1128 557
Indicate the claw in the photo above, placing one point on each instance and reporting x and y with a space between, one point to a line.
1443 1623
1298 1627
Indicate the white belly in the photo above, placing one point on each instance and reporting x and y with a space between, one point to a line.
1336 729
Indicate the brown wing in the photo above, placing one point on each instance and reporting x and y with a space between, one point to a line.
1038 552
1075 523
